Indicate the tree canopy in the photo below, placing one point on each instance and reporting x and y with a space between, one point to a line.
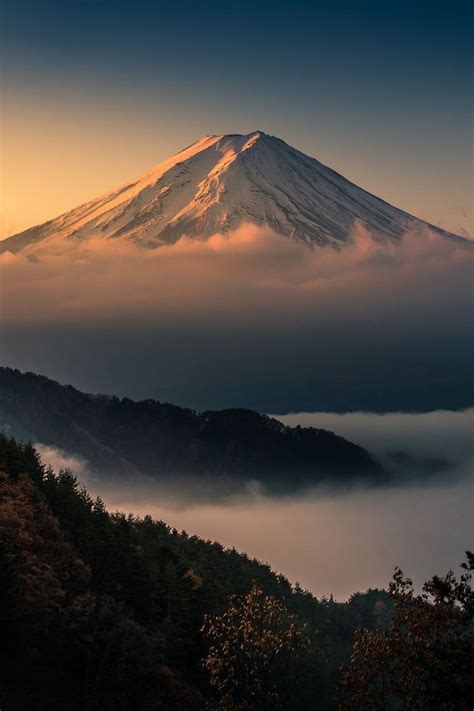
113 611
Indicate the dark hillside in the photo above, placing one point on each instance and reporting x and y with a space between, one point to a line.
105 611
166 441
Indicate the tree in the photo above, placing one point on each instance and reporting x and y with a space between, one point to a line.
424 660
258 654
101 610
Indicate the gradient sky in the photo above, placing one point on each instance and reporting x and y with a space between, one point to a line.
96 91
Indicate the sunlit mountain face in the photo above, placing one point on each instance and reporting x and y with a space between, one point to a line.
213 187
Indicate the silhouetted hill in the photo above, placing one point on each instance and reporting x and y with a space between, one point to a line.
164 441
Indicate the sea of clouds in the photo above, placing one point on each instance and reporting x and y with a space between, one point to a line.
249 319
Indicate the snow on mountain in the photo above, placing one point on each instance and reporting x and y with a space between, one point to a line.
216 184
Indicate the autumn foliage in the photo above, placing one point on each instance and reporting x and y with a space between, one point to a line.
425 659
259 652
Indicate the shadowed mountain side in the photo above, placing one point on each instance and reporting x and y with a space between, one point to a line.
164 441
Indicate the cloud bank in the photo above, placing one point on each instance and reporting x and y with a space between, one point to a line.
439 442
250 266
250 318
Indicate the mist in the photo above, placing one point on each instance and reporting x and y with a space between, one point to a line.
250 319
332 541
340 544
415 445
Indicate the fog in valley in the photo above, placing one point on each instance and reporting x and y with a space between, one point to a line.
334 542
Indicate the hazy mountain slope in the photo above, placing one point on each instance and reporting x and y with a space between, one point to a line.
215 185
166 441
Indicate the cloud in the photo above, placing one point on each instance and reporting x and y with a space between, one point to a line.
432 445
58 460
439 434
249 318
250 265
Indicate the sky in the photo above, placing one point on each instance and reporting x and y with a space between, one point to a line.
95 92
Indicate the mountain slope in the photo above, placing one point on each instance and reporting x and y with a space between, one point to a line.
122 437
105 611
215 185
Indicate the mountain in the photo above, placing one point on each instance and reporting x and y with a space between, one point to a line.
106 611
215 185
227 448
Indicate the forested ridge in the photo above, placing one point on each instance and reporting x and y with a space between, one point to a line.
120 437
105 610
112 611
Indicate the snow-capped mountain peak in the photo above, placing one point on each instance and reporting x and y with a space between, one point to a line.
216 184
